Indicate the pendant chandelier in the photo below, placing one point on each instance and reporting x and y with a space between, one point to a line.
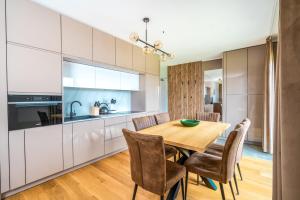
149 48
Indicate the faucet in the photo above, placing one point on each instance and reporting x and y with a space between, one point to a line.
72 114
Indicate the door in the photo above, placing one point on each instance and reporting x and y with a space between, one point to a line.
43 152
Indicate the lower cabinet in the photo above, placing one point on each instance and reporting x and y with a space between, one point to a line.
114 139
68 146
43 152
88 140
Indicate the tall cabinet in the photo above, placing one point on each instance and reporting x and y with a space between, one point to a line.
243 89
185 88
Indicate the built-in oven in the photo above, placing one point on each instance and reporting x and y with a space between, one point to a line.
29 111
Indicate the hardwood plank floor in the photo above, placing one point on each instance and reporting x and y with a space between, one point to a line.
110 179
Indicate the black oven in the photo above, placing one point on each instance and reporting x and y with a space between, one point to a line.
29 111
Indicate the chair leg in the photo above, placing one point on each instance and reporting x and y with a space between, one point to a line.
162 197
186 183
182 189
222 191
240 172
231 188
236 184
134 191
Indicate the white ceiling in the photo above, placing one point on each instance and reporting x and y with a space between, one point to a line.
194 30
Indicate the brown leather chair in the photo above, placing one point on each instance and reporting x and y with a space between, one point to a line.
162 118
220 169
149 167
147 122
217 149
208 116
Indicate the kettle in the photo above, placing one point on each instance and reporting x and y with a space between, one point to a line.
104 108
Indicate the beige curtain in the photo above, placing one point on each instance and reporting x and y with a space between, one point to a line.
286 157
269 97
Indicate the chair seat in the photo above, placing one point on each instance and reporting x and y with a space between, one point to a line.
170 151
205 165
175 172
215 149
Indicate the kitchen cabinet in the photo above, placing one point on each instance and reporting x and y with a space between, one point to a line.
78 75
34 25
123 54
104 47
129 81
88 140
152 92
68 145
33 71
153 64
108 79
16 159
76 38
44 152
138 59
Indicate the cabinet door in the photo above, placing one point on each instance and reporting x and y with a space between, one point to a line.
123 54
107 79
68 145
31 70
129 81
16 159
115 144
236 71
78 75
152 92
153 64
88 140
31 24
104 47
76 38
130 126
44 156
138 59
114 131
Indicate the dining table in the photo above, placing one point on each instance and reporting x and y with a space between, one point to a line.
188 140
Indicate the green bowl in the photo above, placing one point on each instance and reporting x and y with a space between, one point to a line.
189 122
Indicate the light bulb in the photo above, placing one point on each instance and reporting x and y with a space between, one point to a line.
163 57
147 50
158 44
134 37
171 55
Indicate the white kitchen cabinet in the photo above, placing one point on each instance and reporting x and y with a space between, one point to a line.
88 140
76 38
43 152
34 25
114 131
123 54
138 59
129 81
16 159
78 75
104 47
130 126
153 64
33 71
115 144
108 79
152 92
68 145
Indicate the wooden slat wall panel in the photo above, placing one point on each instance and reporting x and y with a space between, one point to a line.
185 88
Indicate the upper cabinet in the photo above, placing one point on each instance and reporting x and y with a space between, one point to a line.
123 54
33 71
76 38
107 79
138 59
104 47
153 64
129 81
31 24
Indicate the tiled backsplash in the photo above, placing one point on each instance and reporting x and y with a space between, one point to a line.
87 97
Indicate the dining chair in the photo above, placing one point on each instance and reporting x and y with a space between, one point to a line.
218 149
157 174
147 122
162 118
208 116
220 169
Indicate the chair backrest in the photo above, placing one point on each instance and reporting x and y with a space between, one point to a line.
162 118
230 152
143 122
246 122
208 116
147 161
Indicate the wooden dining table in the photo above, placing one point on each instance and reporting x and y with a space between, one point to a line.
188 140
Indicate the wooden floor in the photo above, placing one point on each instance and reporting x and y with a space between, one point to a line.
109 179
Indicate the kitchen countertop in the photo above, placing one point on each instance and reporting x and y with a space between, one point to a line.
102 116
